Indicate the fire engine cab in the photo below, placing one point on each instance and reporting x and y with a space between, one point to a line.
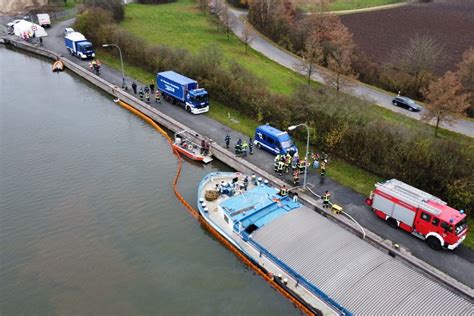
419 213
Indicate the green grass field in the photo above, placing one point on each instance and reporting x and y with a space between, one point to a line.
183 25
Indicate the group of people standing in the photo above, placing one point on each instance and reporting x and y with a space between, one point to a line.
241 147
284 162
144 93
205 146
94 66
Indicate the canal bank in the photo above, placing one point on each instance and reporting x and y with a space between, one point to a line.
244 166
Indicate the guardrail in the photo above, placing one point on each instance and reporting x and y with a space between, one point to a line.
244 166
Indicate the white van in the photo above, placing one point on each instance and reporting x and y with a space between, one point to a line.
44 20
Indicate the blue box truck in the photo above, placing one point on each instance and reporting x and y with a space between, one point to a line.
79 46
178 89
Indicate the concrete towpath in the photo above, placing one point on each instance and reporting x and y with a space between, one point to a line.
269 49
458 263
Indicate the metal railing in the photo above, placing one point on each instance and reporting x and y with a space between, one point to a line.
299 279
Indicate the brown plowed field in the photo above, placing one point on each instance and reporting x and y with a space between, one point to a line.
449 22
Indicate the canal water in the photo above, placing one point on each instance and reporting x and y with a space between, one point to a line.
89 224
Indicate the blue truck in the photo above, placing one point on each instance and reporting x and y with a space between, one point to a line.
178 89
78 45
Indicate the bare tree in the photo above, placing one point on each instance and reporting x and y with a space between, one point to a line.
204 5
226 17
465 74
247 35
312 56
444 99
420 58
465 70
215 8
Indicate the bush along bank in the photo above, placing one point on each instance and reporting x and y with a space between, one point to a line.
340 124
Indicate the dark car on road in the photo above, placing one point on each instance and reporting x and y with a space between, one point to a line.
406 103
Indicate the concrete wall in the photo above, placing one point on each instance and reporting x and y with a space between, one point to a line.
246 167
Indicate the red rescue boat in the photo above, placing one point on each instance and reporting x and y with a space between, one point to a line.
191 150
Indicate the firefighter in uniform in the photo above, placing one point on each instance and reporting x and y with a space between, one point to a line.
281 167
283 191
250 146
134 87
288 159
294 162
245 147
140 94
157 96
147 97
326 199
227 141
323 168
287 162
203 146
302 165
238 147
254 179
246 183
275 162
296 177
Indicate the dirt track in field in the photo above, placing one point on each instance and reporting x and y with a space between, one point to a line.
449 22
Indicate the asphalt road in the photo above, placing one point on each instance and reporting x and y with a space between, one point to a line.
458 263
382 98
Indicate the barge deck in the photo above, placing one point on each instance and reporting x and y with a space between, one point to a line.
328 268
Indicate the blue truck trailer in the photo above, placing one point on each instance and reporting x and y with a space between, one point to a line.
79 46
178 89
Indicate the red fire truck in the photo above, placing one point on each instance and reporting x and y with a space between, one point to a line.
419 213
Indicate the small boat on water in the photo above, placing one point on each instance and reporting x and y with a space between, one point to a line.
58 66
323 266
185 146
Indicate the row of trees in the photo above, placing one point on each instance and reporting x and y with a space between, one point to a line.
340 124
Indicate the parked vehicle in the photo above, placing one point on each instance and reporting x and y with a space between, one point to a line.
79 46
43 19
10 26
273 140
419 213
178 89
27 30
406 103
68 30
184 144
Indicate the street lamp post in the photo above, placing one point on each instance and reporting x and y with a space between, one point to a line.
307 150
124 86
